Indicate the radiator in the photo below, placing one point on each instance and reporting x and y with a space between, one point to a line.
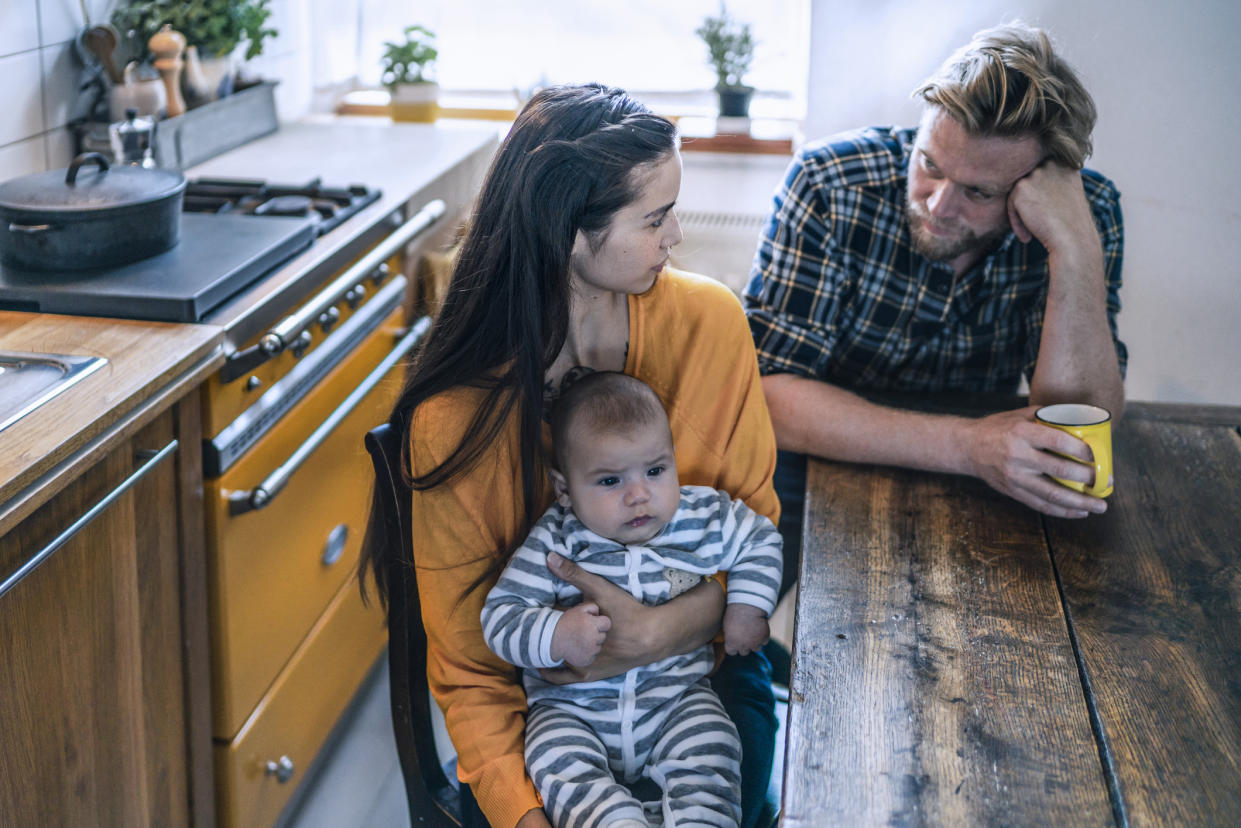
718 244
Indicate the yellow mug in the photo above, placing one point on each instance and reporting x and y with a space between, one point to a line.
1093 426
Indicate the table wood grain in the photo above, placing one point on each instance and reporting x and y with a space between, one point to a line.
933 677
960 659
1153 591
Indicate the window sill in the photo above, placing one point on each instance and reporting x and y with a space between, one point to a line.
757 136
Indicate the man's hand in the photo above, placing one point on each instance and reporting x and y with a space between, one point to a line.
579 635
534 818
1050 205
1012 453
745 629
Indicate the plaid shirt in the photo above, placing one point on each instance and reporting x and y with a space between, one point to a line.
838 292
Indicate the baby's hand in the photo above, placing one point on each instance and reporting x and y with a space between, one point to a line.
745 629
579 636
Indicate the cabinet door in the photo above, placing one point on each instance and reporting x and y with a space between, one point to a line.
92 694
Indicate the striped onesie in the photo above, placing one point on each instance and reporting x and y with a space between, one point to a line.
660 720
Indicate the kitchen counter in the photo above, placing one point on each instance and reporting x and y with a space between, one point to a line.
149 363
153 360
188 672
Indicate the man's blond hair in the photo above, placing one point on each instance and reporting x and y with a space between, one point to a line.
1008 82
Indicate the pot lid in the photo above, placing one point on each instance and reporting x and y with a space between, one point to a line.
90 183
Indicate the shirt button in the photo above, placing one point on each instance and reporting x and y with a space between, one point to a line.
939 286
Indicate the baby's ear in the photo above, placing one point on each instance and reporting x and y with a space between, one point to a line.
562 489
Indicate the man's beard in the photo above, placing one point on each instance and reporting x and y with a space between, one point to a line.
947 248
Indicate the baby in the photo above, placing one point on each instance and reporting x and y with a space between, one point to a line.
621 513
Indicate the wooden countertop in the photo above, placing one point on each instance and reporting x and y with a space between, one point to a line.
149 364
960 659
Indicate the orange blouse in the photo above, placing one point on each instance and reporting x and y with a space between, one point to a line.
690 341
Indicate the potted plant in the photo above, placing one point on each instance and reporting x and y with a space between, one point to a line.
407 74
730 50
213 29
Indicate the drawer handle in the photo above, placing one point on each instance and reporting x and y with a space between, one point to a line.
335 545
151 458
282 769
247 501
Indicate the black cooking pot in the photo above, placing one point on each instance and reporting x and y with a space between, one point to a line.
75 219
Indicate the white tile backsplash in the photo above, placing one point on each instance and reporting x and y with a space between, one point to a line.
22 158
60 20
19 26
59 145
42 71
23 97
62 72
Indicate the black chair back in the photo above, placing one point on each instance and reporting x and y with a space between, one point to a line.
432 799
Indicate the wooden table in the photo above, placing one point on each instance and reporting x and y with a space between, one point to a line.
960 659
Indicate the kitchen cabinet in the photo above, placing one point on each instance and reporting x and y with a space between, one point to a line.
102 705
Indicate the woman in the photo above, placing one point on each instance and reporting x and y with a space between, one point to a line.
562 272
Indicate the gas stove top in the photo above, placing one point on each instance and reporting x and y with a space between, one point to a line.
328 206
233 232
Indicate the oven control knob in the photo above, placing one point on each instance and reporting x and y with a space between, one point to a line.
354 295
380 273
329 318
299 345
282 769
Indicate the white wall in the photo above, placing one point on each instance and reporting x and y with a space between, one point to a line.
1165 78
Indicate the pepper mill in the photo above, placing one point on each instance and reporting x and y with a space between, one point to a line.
168 45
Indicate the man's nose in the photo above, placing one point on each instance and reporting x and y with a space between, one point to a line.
941 203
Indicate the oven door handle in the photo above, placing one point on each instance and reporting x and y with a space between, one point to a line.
285 332
247 501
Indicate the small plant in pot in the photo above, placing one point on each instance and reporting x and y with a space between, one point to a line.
407 69
214 28
730 50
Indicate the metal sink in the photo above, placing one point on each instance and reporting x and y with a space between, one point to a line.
29 380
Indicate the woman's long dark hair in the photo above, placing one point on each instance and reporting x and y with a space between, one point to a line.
565 166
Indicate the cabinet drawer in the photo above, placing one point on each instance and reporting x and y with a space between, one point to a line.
295 717
274 570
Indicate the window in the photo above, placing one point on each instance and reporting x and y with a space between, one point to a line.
647 47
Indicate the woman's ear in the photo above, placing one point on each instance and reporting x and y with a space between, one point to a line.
562 489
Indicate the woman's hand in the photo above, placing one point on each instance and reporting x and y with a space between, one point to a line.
639 634
534 818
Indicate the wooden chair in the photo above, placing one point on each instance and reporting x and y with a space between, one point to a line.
432 799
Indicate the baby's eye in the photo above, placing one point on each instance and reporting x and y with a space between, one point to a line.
655 471
608 481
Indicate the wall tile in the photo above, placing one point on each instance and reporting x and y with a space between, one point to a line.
22 158
60 20
62 72
59 146
19 26
23 98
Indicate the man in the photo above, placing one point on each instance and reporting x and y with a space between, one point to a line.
955 257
